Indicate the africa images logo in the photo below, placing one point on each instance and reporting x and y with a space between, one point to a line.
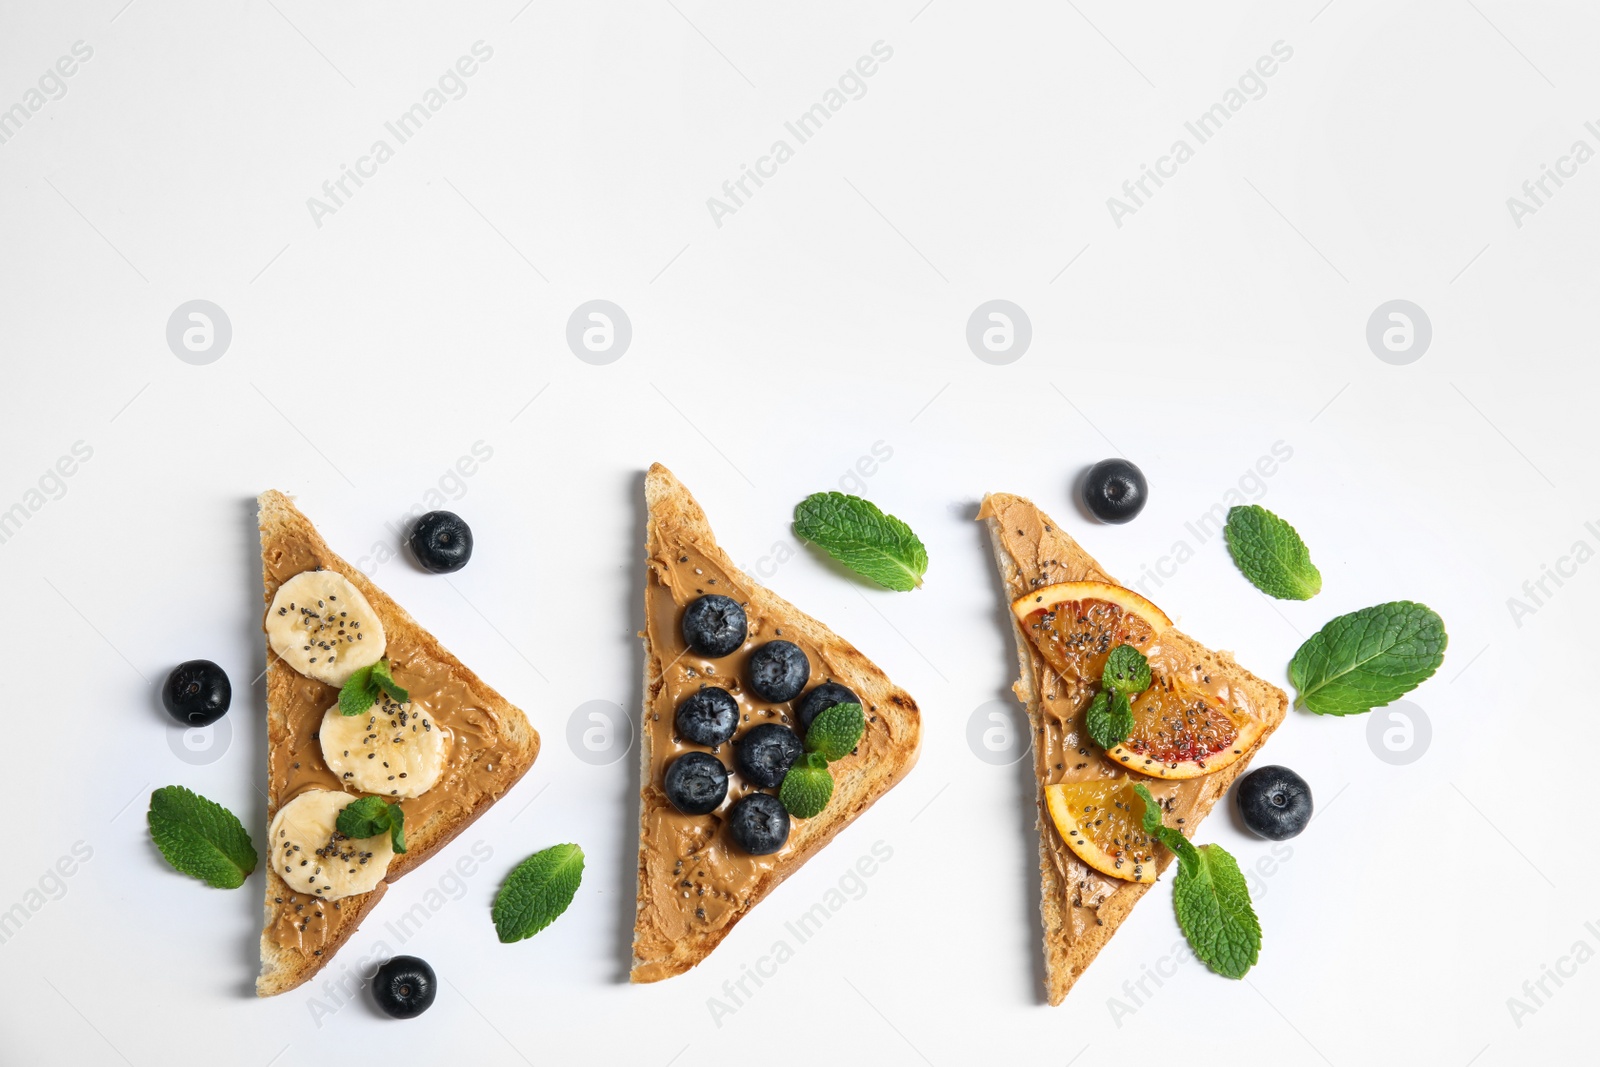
451 85
52 85
851 85
1252 85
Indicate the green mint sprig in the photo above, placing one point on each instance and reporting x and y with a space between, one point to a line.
1210 897
855 532
200 837
836 731
1271 554
371 816
833 735
1109 719
363 688
1126 670
1368 658
807 787
537 891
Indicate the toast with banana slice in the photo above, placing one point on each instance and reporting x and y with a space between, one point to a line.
1082 906
733 678
432 739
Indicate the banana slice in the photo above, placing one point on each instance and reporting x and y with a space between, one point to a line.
310 854
323 627
393 749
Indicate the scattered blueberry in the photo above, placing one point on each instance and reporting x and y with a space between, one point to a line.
708 716
1275 802
778 671
197 693
442 542
758 824
1114 490
765 753
821 699
696 783
714 625
404 987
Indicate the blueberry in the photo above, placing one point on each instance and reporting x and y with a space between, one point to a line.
696 783
1275 802
778 671
197 693
714 625
765 753
708 716
821 699
442 542
404 987
758 824
1114 490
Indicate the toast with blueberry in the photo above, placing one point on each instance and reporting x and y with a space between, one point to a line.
423 736
1196 727
746 699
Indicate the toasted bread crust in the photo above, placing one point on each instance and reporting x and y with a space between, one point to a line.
283 967
1066 956
655 956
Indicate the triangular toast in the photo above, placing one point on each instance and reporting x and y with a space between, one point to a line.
694 882
1081 908
493 747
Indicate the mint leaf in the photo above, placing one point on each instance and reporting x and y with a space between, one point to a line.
853 531
200 837
1210 897
836 731
363 688
808 786
1368 658
1109 719
385 681
1126 670
363 818
1214 911
537 891
357 694
371 816
1271 554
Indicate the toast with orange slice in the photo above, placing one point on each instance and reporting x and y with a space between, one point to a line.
1196 729
696 881
486 745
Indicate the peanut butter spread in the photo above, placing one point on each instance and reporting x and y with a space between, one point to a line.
1062 750
712 879
295 762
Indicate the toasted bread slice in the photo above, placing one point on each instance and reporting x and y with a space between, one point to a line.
694 883
1081 908
493 747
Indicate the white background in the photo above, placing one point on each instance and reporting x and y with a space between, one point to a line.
770 353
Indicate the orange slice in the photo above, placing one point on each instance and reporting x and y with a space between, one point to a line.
1179 730
1183 732
1103 823
1075 625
